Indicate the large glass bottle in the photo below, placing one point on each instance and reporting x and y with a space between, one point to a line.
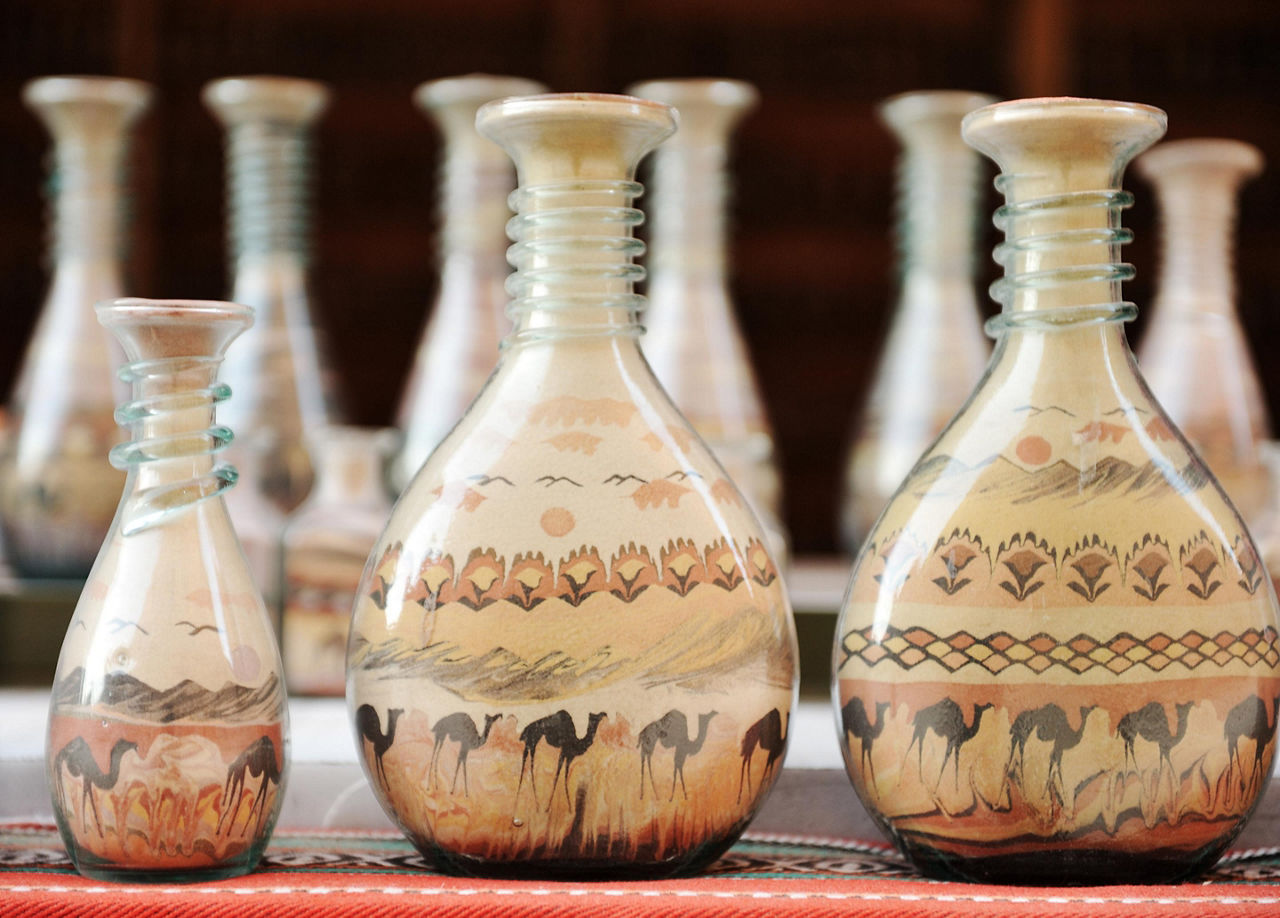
1194 354
1057 659
324 548
692 339
279 370
460 340
935 350
57 492
167 734
572 615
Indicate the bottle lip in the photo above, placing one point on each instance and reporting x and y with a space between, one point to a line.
139 309
576 106
906 107
1201 152
266 95
476 88
1058 108
678 91
121 91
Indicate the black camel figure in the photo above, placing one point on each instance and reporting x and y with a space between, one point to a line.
767 733
1248 720
558 730
672 731
371 729
1049 725
257 761
462 729
853 716
947 720
80 763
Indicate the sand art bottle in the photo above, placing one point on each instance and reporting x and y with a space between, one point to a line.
1194 354
325 545
1057 660
692 339
167 735
935 350
460 340
572 616
57 491
279 370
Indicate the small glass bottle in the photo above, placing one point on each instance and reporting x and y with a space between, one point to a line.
280 370
935 350
1058 659
692 338
572 616
167 728
326 543
460 340
57 492
1194 354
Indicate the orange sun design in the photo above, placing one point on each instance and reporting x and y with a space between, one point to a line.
557 522
1033 450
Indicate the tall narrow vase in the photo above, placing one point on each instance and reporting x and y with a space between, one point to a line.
57 491
571 654
279 370
935 350
167 734
692 338
460 340
1057 661
1194 354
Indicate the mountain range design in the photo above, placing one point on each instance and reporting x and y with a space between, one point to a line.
186 700
999 478
696 654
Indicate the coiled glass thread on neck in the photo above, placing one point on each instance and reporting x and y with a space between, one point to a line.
1051 250
573 256
268 164
178 479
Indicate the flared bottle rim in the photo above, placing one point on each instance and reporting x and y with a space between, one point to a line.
1057 108
140 309
52 90
474 87
281 96
905 107
677 91
575 106
1220 152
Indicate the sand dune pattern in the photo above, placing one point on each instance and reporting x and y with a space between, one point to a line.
528 578
187 700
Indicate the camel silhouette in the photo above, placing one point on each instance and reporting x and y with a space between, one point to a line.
947 720
80 763
1247 720
257 761
672 731
1049 725
1152 723
558 730
462 729
767 733
371 729
856 724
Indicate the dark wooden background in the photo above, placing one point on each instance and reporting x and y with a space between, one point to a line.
812 215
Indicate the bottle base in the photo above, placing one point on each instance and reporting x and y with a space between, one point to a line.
115 873
1080 867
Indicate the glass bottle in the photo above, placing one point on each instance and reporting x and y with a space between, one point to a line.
1057 659
57 492
167 728
325 545
1194 354
279 370
460 340
692 339
935 350
572 615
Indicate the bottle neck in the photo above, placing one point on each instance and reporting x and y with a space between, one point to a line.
573 256
171 456
267 169
350 474
937 187
474 186
87 201
1199 217
690 203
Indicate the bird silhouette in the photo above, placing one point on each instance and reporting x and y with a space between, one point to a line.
196 629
